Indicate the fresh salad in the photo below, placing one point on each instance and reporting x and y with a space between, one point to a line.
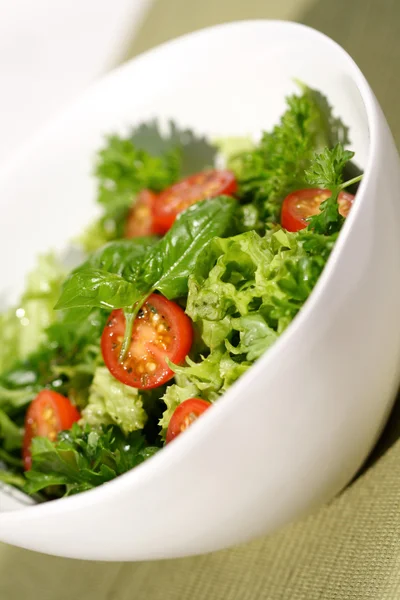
203 255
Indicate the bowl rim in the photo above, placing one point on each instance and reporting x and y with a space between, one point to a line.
170 454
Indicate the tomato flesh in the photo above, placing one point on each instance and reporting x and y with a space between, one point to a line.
47 415
300 205
140 218
161 331
184 415
186 192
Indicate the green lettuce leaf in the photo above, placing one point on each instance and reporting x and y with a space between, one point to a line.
174 395
208 379
271 276
243 292
10 327
113 403
24 327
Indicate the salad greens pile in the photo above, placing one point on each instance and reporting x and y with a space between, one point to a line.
238 274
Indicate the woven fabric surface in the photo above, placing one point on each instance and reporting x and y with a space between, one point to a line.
347 550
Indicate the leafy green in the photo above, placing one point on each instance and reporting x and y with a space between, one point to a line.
331 129
123 169
164 266
146 158
24 327
113 403
326 171
10 327
174 395
122 257
96 288
255 336
243 292
277 165
104 279
170 262
327 167
83 458
26 354
10 434
12 478
66 363
208 379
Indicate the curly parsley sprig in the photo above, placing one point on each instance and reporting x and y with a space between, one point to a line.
326 172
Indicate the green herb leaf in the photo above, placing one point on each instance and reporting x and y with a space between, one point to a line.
170 262
96 288
83 458
123 170
326 171
122 257
23 327
10 433
145 267
276 166
327 167
331 129
12 478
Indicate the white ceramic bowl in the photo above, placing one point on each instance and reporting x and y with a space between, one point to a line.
292 431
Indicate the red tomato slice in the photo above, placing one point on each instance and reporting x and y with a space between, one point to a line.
301 204
186 192
140 219
160 331
185 414
48 414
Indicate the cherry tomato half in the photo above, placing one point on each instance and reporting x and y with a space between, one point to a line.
301 204
184 415
186 192
47 415
161 330
140 219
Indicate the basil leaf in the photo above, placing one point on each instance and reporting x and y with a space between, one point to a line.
123 257
92 287
127 272
171 261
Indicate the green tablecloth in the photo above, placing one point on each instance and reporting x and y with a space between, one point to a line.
345 551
